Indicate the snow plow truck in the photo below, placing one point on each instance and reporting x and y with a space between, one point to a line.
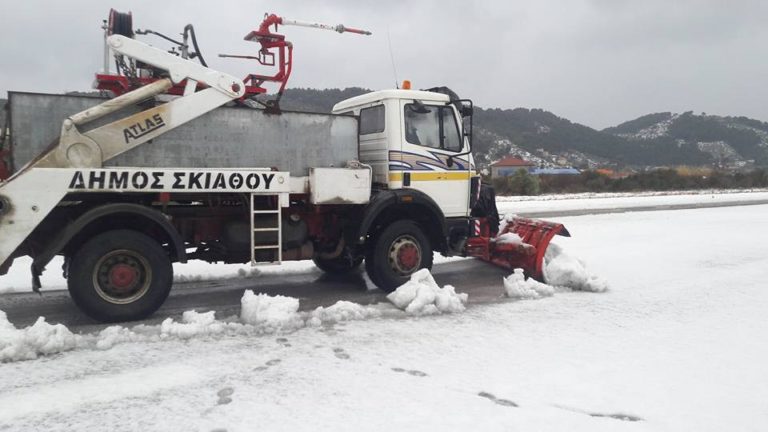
181 162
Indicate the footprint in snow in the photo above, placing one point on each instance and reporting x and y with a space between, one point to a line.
283 341
411 372
267 365
340 353
615 416
494 399
225 395
331 330
618 416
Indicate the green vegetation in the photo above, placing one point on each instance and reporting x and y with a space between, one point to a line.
520 183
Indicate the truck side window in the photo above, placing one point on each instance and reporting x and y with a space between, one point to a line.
372 120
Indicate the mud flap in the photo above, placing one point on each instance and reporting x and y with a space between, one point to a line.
485 206
28 198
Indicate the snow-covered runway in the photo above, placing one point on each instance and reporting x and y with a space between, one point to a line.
678 343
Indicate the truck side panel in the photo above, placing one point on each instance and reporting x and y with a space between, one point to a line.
227 137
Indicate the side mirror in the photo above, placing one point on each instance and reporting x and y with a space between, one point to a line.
466 110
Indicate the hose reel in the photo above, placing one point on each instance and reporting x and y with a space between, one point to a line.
120 23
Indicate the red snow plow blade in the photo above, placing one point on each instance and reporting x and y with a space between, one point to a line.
528 255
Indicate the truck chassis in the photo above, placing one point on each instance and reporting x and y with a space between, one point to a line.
120 228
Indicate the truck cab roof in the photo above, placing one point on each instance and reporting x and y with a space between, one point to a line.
368 98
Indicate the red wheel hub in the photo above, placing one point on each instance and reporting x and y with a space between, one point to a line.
408 256
123 276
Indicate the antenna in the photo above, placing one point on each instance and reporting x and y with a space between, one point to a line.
392 57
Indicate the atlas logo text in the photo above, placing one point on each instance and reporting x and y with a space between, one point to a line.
143 127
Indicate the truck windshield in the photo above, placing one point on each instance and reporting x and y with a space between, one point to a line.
424 127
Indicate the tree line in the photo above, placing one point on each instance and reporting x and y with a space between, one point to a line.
523 183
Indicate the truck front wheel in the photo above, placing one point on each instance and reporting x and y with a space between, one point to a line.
120 275
400 250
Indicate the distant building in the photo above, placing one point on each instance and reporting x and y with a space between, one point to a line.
509 165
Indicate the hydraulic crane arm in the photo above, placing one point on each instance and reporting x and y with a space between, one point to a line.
92 148
30 195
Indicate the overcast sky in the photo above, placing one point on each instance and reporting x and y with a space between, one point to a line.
596 62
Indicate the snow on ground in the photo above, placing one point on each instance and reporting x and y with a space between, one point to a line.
19 280
599 201
259 314
678 343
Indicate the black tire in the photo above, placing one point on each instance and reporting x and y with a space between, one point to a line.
397 252
120 275
340 265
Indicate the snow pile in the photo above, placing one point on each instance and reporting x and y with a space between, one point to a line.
260 314
270 313
192 324
509 238
116 335
40 338
561 269
341 311
516 286
505 220
422 296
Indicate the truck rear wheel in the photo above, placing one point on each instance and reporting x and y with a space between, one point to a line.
342 264
400 250
120 275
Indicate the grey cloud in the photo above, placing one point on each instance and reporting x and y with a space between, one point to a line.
597 62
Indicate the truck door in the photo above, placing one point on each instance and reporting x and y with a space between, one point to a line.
431 135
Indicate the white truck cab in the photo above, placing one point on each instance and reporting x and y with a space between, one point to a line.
416 139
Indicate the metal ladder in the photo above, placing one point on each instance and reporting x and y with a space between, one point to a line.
266 228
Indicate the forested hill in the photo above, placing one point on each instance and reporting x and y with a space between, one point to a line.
724 140
322 101
660 139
